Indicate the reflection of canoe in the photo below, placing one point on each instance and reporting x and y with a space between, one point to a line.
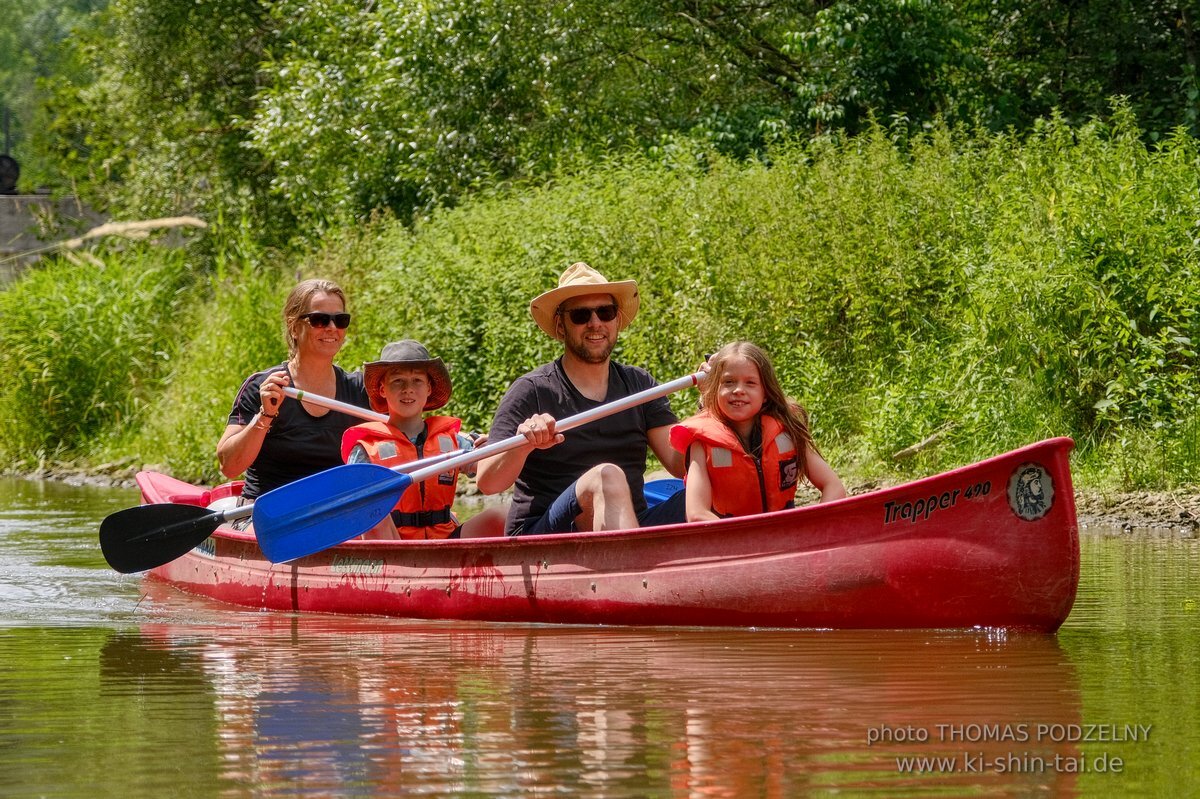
717 713
993 544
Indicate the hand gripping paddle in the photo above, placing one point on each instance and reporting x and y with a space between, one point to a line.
327 508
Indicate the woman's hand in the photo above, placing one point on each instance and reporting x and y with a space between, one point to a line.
270 393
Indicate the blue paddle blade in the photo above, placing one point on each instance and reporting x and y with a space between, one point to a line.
659 490
325 509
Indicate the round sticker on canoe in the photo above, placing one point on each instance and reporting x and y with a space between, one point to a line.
1030 491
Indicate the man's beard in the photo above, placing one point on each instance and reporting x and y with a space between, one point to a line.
579 349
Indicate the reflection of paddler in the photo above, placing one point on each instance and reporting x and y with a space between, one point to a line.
309 717
130 659
708 703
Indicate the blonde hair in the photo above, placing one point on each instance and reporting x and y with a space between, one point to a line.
297 304
788 412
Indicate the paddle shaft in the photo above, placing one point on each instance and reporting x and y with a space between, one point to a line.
434 464
419 470
335 405
570 423
329 507
362 413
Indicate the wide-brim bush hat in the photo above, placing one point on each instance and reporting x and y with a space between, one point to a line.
579 280
413 355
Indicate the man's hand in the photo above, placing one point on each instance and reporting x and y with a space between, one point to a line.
539 431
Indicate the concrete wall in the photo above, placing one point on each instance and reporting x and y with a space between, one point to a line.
30 222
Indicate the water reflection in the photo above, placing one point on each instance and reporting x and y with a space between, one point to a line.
377 707
111 686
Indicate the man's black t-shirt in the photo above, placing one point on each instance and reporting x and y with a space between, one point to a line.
619 439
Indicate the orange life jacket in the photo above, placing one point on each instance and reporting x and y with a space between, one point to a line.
424 508
742 485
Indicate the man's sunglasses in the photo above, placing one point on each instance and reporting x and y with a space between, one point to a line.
581 316
321 319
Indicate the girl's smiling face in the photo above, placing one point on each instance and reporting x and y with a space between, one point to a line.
740 394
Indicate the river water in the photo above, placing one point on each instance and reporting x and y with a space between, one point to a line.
112 686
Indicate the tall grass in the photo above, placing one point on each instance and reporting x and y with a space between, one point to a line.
238 330
989 289
85 347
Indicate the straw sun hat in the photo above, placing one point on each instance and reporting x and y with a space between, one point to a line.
413 355
579 280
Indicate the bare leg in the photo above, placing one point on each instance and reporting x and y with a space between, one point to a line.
384 531
603 494
488 522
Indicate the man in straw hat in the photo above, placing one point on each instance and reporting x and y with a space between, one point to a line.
593 478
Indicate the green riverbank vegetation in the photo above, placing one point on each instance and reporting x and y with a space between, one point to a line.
968 289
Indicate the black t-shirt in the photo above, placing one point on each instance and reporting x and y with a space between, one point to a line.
298 443
619 439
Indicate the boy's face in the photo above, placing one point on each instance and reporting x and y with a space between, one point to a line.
406 391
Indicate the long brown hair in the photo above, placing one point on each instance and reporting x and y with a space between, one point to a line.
297 303
788 412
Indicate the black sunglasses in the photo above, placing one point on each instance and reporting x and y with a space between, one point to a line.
321 319
581 316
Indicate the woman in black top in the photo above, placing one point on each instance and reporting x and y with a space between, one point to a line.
275 442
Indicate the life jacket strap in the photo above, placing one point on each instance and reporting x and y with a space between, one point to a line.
424 518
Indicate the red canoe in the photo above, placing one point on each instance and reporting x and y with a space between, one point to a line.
994 544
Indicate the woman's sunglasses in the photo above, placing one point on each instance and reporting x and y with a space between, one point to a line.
581 316
321 319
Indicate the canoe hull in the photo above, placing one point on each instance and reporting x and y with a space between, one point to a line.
994 544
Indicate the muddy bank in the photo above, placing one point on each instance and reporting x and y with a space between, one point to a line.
1139 510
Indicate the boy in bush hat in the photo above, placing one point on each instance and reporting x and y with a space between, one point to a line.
405 383
592 479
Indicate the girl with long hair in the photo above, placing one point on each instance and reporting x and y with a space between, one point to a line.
751 446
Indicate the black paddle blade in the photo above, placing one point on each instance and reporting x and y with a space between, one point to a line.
136 539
